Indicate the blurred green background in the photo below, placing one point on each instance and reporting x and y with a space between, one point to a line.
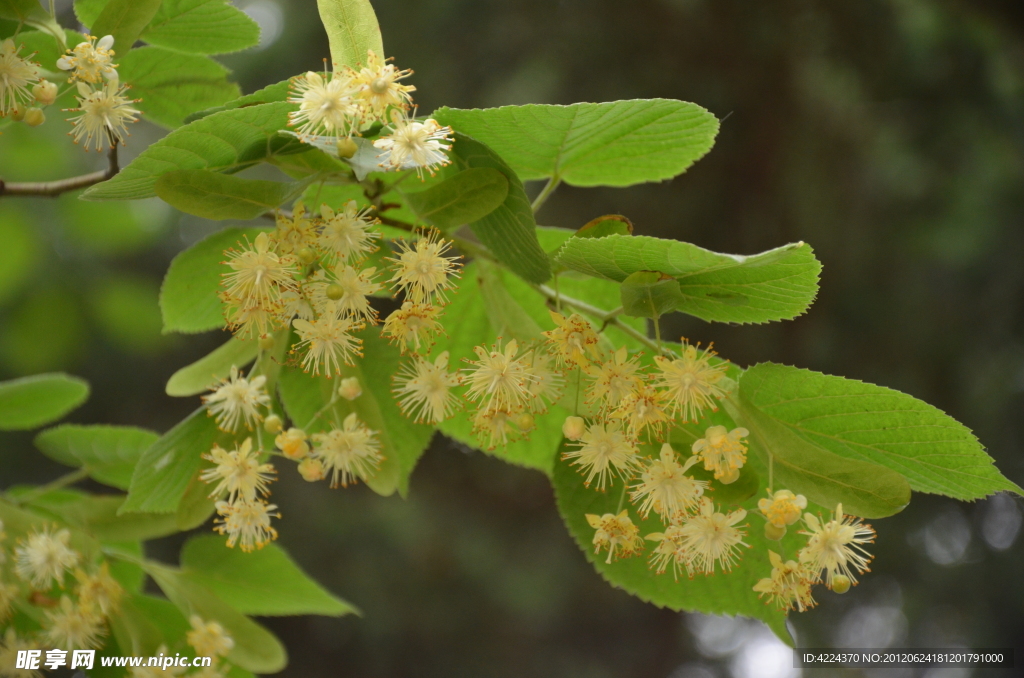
886 133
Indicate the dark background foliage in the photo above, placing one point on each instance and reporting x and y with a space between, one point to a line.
886 133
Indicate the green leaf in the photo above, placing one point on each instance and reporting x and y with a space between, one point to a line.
277 92
462 198
166 468
649 294
256 649
86 11
188 297
145 623
402 441
226 141
124 19
508 318
509 231
195 378
19 10
267 582
779 284
723 593
862 421
109 453
31 402
196 505
610 224
172 85
221 196
98 515
202 27
351 29
863 488
619 143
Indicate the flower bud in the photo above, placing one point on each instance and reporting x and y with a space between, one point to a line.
307 256
773 532
34 117
730 476
311 469
266 342
272 424
45 92
335 291
525 422
346 148
574 427
350 389
293 443
840 583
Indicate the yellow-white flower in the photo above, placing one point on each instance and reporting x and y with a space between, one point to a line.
259 275
499 379
293 443
669 550
44 557
294 232
495 426
789 585
604 451
72 626
546 381
837 546
422 270
613 380
351 452
723 452
328 340
10 646
103 114
665 488
573 339
378 89
414 145
617 533
351 291
238 472
782 508
413 326
348 233
327 104
642 408
424 389
709 538
90 61
690 382
99 590
246 522
8 593
237 399
208 638
16 74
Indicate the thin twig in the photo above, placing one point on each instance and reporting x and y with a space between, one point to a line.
51 189
545 192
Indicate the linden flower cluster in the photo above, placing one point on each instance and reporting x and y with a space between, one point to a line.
834 552
310 273
631 405
347 101
103 109
23 90
78 597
